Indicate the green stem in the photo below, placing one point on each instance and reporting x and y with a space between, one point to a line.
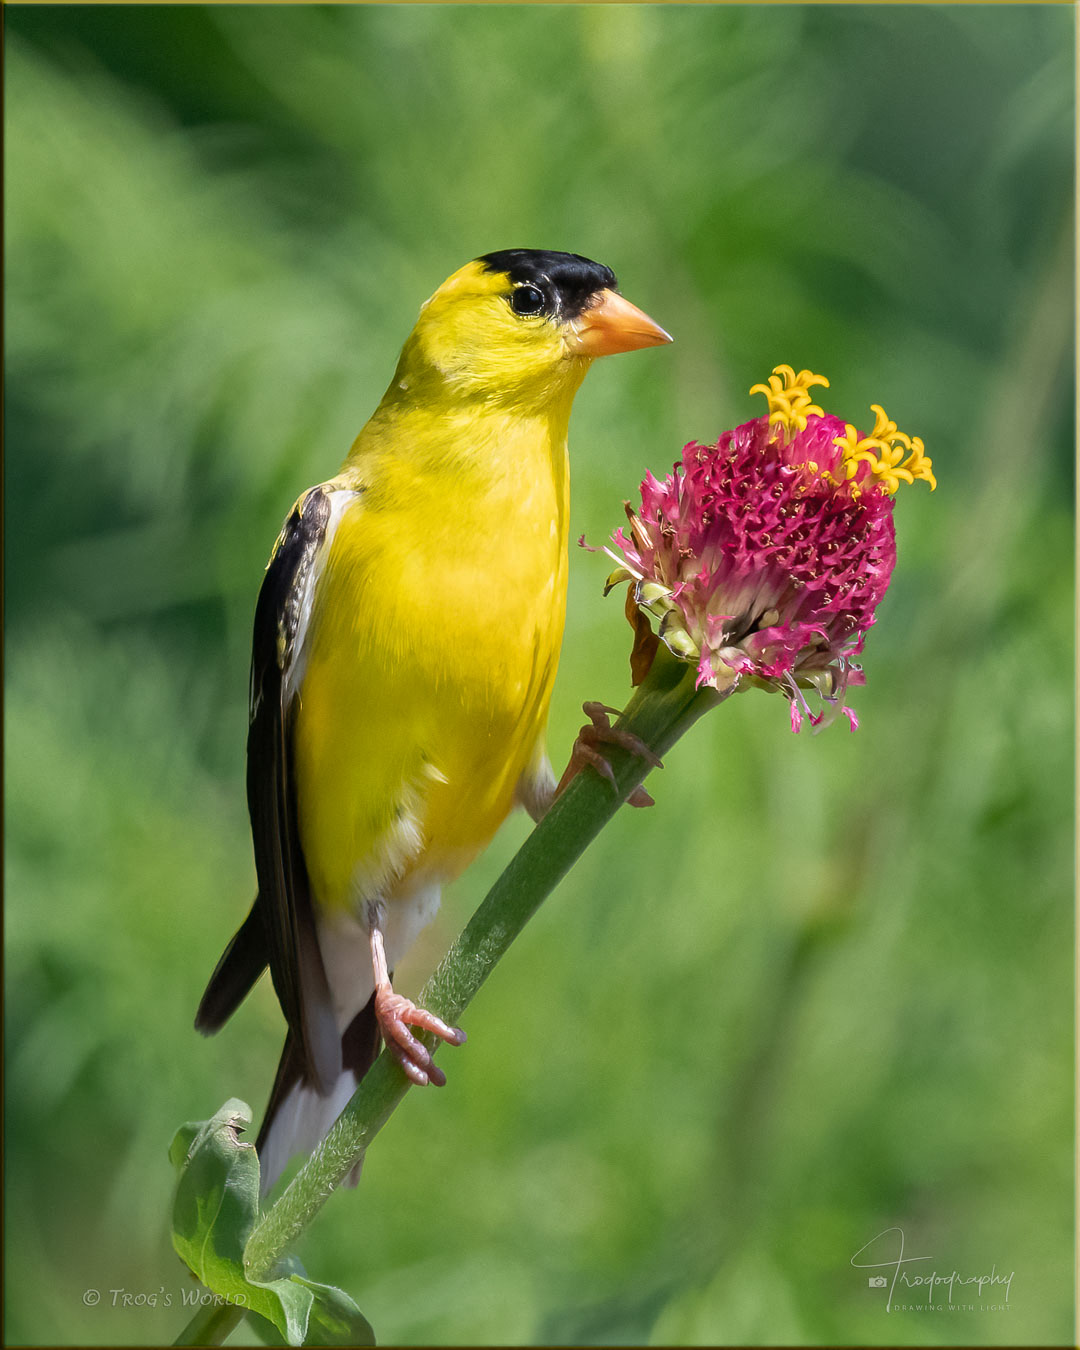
664 706
211 1325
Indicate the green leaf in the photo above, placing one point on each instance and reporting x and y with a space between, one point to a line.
266 1331
335 1319
183 1139
216 1206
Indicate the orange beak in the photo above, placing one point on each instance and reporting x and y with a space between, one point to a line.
612 324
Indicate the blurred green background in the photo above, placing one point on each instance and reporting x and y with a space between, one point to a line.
824 988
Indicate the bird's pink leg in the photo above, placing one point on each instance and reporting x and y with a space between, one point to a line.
396 1014
599 731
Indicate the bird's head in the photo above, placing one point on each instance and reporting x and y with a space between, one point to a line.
522 326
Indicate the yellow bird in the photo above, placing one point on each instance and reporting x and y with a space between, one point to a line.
405 645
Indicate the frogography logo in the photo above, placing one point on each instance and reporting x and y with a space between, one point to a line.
935 1292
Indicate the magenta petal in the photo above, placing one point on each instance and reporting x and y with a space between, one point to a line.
775 558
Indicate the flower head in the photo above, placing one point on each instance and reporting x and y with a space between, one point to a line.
765 556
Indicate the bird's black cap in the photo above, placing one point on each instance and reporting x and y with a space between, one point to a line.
567 280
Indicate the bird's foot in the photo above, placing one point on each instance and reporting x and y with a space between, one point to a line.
396 1014
599 731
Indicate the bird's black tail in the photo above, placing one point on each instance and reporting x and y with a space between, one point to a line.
297 1115
241 964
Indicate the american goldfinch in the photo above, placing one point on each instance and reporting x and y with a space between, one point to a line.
405 644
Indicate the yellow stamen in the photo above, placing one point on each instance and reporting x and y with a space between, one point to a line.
789 399
919 465
893 457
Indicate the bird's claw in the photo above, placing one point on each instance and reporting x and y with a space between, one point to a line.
395 1015
599 731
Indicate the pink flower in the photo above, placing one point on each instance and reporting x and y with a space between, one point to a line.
765 556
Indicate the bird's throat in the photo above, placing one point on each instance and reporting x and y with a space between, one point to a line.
474 458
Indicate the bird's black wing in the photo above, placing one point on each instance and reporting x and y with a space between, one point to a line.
281 927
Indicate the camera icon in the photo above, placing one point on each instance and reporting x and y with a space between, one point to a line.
877 1281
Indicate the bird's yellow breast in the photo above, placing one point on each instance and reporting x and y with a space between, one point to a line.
432 650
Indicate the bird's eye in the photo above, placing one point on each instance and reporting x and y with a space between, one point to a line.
527 300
